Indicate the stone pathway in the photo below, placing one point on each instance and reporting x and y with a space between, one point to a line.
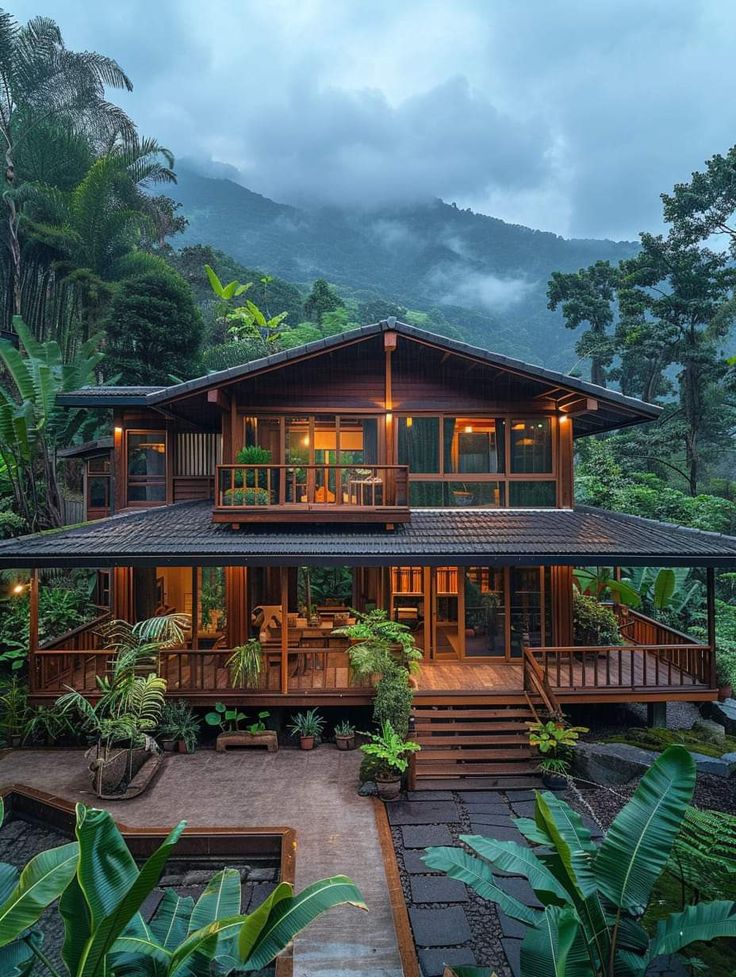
451 923
314 793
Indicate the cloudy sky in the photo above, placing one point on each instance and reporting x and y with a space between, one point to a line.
566 115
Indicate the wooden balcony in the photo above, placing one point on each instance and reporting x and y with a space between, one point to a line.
311 493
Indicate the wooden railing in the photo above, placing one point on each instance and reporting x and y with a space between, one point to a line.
204 672
628 666
251 492
82 638
536 680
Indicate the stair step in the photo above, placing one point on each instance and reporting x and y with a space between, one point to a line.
472 770
478 726
519 782
461 713
470 753
489 740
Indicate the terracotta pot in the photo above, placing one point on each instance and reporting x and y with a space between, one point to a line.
306 742
345 742
168 746
388 788
182 747
724 692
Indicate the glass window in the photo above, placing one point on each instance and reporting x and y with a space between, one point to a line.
531 445
419 444
526 608
485 613
358 441
427 495
264 432
98 488
473 446
488 495
99 465
532 494
146 466
298 444
212 615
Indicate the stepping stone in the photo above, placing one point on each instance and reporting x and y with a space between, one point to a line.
523 809
430 795
426 836
499 832
487 808
484 797
522 795
512 949
433 962
439 927
500 820
413 863
437 888
423 812
511 927
521 890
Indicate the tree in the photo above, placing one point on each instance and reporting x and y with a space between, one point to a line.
323 298
705 206
587 296
42 81
154 328
33 426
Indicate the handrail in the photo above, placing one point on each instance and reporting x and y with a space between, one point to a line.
636 618
53 643
534 671
362 486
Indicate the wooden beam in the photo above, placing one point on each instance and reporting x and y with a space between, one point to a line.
284 575
32 627
390 340
710 587
219 398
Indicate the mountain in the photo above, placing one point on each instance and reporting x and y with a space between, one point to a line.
481 275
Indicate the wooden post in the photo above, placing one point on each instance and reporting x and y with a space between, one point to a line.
284 573
33 629
412 771
710 584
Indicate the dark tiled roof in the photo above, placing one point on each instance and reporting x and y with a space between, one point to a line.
184 533
108 396
98 446
632 409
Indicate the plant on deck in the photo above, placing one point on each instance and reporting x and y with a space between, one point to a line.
593 623
594 897
244 665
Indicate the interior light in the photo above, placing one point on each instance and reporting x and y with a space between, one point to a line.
118 431
389 416
305 440
519 426
468 428
564 418
409 421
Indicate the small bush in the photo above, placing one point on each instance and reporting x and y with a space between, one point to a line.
593 623
393 700
247 496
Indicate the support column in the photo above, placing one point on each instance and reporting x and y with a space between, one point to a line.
710 584
284 574
32 629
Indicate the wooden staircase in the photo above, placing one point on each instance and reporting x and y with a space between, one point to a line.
474 745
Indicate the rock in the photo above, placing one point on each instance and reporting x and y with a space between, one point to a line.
611 764
426 836
368 789
437 888
423 812
198 877
722 712
710 730
433 961
715 766
439 927
262 875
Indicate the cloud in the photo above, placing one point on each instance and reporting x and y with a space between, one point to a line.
456 285
564 115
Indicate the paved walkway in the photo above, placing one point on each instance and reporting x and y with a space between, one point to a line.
314 793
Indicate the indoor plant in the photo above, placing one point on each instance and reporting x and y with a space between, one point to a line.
345 735
390 750
307 726
555 740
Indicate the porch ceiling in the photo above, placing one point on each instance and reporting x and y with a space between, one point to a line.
184 534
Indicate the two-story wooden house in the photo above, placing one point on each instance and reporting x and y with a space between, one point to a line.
385 467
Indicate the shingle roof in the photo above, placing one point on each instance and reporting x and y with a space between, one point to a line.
100 396
184 533
635 410
98 446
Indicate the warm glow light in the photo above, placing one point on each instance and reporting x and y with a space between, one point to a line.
305 440
389 416
19 588
564 418
468 428
409 421
118 431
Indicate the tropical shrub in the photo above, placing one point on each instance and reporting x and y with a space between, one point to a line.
379 643
593 624
307 724
594 897
393 699
247 496
179 722
244 665
389 750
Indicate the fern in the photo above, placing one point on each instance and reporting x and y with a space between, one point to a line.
704 854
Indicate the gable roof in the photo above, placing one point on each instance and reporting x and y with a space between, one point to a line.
184 534
625 410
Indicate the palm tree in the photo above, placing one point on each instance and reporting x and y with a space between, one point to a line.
42 81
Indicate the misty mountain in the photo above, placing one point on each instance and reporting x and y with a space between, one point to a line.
485 277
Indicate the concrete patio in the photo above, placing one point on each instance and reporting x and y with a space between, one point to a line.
314 793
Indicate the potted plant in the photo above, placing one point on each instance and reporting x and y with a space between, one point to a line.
345 735
555 740
179 727
307 726
379 644
390 751
15 711
462 496
231 735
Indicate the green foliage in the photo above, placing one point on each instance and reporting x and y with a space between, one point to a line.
227 719
180 722
32 426
223 356
247 496
14 709
322 300
154 329
658 739
390 750
253 454
344 728
376 641
308 723
245 663
593 624
704 854
393 699
594 897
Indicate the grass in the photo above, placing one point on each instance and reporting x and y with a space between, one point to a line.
657 739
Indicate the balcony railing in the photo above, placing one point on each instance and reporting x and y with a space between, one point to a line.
323 493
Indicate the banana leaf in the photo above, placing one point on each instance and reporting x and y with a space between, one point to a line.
516 859
17 958
695 924
40 883
637 846
545 947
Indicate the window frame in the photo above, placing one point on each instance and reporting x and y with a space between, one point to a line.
145 480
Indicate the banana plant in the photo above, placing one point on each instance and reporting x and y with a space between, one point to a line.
594 897
24 897
225 292
665 589
599 582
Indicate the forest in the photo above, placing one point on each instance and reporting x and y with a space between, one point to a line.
102 282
